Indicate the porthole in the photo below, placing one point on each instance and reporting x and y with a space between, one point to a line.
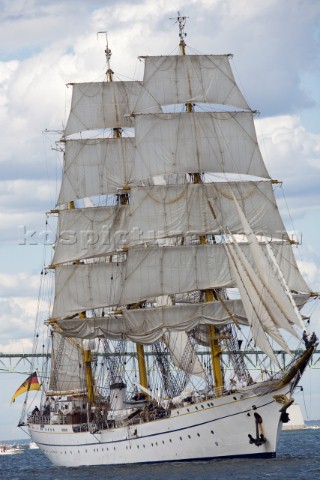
198 434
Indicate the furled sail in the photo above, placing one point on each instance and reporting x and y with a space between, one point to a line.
192 78
147 325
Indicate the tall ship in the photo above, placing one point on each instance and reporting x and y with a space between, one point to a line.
170 254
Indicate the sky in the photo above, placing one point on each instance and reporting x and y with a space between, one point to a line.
45 45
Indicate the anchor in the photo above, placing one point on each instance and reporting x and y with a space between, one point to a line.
260 438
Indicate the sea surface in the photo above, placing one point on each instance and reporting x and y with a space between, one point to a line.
298 457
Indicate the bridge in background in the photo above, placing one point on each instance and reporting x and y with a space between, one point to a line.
28 362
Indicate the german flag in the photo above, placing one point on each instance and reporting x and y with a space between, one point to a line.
30 384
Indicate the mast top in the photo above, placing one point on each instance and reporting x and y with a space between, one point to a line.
108 53
181 20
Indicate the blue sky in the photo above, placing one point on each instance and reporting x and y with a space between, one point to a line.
46 44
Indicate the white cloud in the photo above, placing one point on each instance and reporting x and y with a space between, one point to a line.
20 284
15 345
20 315
309 270
292 155
17 317
284 138
23 206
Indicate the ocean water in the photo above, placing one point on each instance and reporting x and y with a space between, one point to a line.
298 458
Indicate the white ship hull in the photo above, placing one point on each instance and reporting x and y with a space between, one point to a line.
210 429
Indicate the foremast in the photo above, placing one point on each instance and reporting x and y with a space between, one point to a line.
86 351
123 199
87 360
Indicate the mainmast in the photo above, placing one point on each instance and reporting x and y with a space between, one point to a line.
108 53
109 78
209 295
109 72
182 21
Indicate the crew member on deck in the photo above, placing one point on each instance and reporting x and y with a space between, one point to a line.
305 339
309 340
